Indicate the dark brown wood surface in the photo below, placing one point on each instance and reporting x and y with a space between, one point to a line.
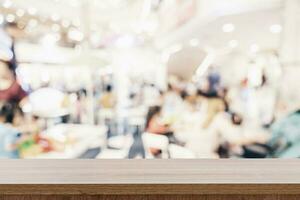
151 189
151 197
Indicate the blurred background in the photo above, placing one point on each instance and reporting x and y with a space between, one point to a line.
149 79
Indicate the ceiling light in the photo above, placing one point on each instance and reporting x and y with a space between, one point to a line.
20 12
194 42
10 18
233 43
276 28
228 28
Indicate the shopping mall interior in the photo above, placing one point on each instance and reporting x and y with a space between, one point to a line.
149 79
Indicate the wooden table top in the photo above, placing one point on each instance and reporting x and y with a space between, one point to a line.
149 176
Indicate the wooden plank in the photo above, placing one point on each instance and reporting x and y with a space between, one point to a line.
149 171
153 197
142 189
140 177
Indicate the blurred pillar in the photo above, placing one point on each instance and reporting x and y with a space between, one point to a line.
290 57
290 43
85 28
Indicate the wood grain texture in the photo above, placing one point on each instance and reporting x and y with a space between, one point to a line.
154 197
149 171
151 189
101 178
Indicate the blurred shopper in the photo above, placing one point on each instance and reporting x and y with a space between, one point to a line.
172 104
213 106
81 106
108 102
214 80
8 135
10 89
155 124
211 102
264 100
228 132
14 33
151 95
108 99
284 141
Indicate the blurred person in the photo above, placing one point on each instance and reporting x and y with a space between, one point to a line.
264 102
80 111
155 124
206 88
237 97
10 89
108 103
13 116
108 99
284 141
151 94
172 103
223 94
213 106
14 33
187 104
9 136
228 133
214 80
257 103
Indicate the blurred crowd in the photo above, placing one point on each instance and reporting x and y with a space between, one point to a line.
206 117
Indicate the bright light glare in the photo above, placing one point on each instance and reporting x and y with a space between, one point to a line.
205 65
10 18
194 42
228 28
276 28
20 12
